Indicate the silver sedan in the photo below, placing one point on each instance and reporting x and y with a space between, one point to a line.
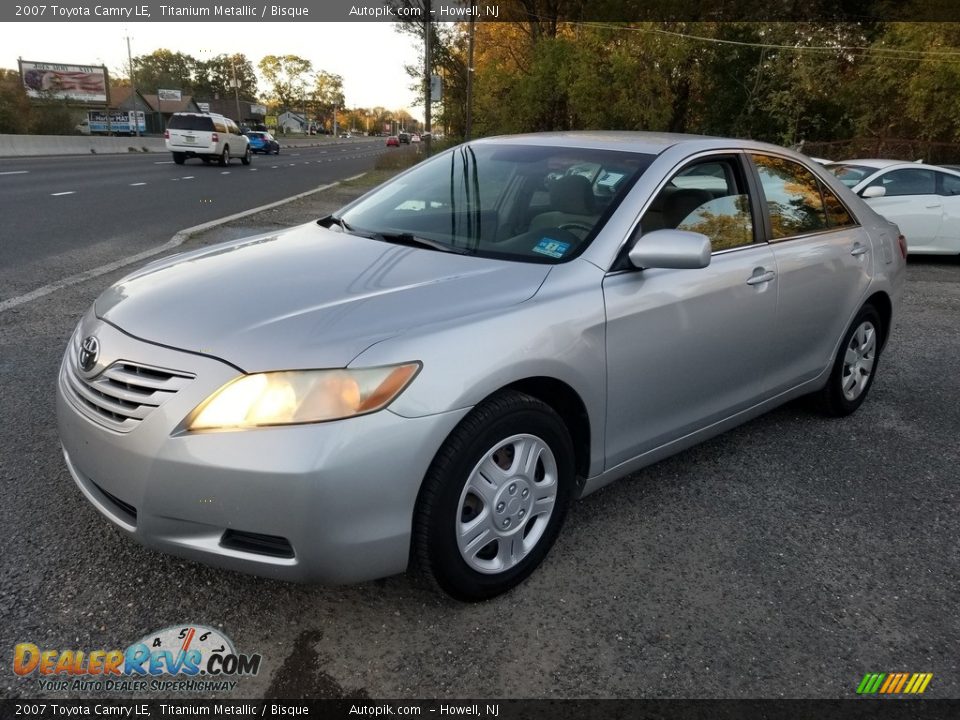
429 377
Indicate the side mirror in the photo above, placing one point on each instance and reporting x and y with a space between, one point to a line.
874 191
677 249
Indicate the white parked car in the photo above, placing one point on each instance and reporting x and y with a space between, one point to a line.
924 200
207 136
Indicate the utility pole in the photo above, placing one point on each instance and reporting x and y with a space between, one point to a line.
236 89
468 124
133 96
426 79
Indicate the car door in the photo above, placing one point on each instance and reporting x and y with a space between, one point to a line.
824 263
911 201
686 348
948 238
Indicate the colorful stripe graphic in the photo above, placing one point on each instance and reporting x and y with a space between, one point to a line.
894 683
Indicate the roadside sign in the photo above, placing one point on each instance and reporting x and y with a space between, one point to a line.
436 88
204 107
168 95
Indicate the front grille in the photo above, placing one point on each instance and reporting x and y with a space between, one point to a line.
124 394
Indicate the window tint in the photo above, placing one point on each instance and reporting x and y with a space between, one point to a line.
909 181
837 215
709 198
949 184
219 126
190 122
850 175
793 196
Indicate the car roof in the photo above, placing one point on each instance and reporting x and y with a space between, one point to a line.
876 164
634 141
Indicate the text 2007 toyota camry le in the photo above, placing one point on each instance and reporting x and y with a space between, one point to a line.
430 376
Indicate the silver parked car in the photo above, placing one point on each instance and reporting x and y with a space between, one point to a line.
430 376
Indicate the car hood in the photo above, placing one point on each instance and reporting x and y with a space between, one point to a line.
307 297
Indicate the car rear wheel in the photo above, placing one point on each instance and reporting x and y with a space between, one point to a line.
247 156
494 498
225 156
855 365
179 158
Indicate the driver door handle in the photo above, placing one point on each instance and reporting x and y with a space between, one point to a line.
762 277
859 249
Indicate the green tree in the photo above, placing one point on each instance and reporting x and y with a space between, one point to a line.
288 78
327 94
15 108
214 77
165 69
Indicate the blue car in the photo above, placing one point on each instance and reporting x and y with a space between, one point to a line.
263 142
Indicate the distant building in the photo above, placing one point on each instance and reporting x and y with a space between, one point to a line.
292 122
252 113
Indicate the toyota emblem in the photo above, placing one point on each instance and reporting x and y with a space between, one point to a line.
89 352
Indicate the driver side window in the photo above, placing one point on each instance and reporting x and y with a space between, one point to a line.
708 197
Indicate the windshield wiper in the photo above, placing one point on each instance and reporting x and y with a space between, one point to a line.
406 238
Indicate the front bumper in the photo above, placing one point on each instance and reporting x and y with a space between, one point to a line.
340 494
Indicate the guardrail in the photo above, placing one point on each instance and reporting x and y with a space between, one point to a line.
27 145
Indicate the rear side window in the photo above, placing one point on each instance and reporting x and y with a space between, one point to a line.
837 215
949 184
793 197
191 122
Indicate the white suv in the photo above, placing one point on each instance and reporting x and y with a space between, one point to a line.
207 136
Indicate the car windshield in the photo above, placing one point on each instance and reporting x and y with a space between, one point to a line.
517 202
850 175
256 135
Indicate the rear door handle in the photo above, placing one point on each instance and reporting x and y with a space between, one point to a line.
859 249
762 277
934 205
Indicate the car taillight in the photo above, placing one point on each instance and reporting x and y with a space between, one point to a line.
902 242
215 138
166 134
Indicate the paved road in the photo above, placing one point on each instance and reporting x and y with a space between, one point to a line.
63 215
786 558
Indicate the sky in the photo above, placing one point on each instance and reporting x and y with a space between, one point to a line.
369 56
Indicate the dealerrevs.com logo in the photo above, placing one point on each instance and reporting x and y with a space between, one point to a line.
184 657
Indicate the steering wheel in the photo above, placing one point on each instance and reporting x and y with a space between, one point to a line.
571 226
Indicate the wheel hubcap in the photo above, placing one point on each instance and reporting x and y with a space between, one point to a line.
858 360
506 504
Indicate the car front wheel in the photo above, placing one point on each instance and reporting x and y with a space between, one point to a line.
494 498
855 366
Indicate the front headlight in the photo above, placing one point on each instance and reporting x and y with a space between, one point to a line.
300 396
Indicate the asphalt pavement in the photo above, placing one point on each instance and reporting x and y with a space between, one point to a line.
786 558
67 214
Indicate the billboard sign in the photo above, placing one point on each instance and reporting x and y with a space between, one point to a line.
52 81
204 107
173 95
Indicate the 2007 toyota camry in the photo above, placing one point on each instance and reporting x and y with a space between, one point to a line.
430 376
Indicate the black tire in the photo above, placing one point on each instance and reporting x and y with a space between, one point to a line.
225 156
247 156
832 399
179 158
436 555
277 152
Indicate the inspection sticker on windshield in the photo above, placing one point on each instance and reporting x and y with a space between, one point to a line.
553 248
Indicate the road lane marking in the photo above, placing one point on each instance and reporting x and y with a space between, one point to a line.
177 240
68 192
225 172
187 177
14 172
136 184
163 162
